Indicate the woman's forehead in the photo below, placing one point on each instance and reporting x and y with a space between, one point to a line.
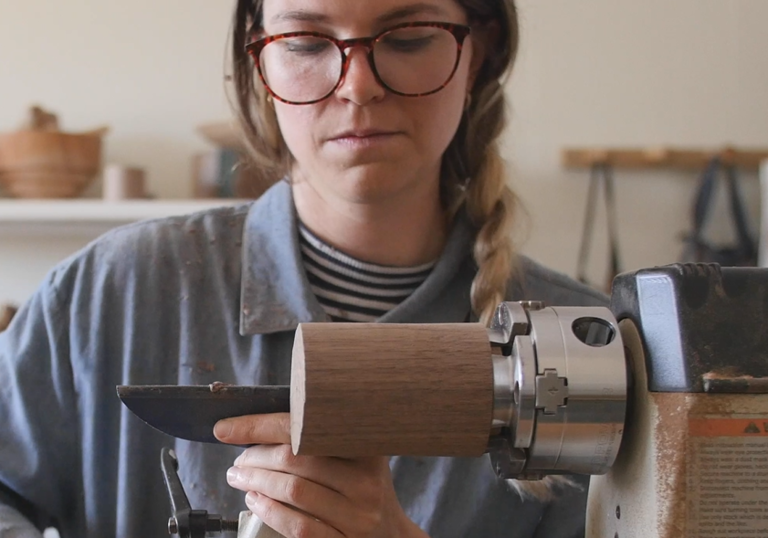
372 13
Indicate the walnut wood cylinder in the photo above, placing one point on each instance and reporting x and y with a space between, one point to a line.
360 389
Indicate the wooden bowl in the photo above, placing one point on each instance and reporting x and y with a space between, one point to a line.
49 164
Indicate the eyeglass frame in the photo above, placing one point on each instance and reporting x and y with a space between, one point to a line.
460 32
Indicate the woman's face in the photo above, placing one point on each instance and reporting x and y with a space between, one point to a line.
365 144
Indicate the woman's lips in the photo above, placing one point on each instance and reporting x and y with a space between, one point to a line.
364 139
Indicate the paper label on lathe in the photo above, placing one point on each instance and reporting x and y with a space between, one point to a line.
727 476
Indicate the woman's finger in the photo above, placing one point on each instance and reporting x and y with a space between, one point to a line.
307 496
269 429
333 473
287 521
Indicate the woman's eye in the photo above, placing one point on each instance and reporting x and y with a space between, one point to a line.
306 45
407 44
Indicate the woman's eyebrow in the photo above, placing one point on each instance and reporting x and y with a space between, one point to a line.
300 15
303 15
409 11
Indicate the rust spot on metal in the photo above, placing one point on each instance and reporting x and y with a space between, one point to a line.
217 386
726 373
670 427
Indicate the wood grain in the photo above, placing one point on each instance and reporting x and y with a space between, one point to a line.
389 389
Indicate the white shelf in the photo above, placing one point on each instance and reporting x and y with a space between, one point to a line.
89 216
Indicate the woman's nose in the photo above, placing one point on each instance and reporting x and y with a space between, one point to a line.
359 84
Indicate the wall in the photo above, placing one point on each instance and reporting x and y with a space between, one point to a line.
592 72
602 72
150 70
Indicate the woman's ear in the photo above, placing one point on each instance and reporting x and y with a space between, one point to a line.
484 39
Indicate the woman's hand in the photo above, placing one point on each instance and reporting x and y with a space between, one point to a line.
311 496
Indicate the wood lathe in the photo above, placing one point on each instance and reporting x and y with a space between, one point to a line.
663 398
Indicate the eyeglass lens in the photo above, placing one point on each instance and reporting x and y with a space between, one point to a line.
410 61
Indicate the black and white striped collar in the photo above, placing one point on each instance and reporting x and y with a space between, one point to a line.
276 295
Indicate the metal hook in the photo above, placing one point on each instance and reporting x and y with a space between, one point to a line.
185 522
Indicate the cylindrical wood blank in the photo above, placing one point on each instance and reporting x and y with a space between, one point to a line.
364 389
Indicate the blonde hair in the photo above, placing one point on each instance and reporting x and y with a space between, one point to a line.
473 156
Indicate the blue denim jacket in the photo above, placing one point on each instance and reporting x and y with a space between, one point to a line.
214 296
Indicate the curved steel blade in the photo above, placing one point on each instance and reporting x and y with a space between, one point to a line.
190 412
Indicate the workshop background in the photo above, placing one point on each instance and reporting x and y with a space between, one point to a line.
691 73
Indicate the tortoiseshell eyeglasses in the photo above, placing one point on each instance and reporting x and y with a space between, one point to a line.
411 59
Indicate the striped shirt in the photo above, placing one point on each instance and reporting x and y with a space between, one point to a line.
353 290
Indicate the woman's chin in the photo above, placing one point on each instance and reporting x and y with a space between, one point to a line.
375 184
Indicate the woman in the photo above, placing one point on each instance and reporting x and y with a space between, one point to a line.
395 209
378 175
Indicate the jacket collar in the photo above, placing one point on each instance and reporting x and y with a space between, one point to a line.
275 294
